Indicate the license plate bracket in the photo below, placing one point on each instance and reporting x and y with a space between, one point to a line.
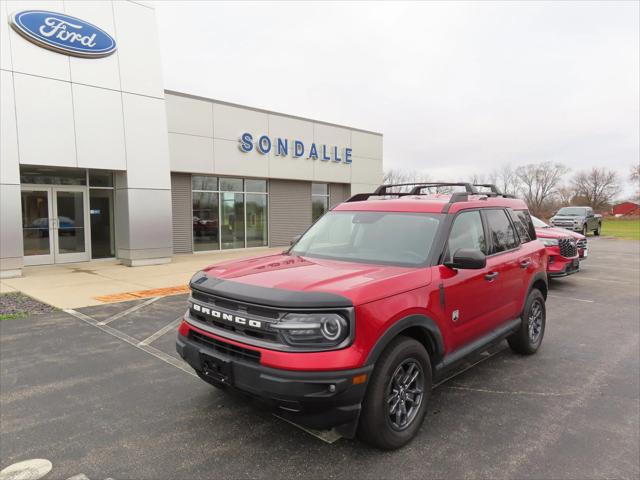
216 369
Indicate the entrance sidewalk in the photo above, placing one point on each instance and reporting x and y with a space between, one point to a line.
75 285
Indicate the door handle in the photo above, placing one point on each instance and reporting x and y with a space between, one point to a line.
491 276
525 263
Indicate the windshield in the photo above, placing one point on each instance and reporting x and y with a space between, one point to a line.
392 238
572 211
538 223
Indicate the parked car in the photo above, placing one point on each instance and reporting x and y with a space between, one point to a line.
543 229
562 248
578 219
378 301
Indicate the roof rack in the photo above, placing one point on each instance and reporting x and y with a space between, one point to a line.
494 190
467 186
382 190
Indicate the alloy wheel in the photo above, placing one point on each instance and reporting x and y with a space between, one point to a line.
404 394
536 316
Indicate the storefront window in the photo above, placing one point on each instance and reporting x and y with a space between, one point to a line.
256 220
319 200
229 213
205 221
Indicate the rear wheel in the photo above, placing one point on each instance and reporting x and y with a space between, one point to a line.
395 404
527 339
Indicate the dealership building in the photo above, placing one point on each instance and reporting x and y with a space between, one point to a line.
100 161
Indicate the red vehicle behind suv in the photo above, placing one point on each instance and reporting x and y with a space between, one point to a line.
379 300
564 248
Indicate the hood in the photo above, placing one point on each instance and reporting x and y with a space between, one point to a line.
359 282
556 232
566 217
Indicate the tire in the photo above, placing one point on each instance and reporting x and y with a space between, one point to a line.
378 426
584 230
596 232
528 338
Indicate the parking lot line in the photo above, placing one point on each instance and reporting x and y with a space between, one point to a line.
571 298
128 311
132 341
161 332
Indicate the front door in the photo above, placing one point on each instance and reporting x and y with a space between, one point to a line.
54 224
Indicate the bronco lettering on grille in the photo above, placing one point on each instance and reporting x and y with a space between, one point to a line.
227 316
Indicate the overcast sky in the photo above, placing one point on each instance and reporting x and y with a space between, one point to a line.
455 88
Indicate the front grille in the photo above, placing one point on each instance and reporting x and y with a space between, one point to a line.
229 307
568 247
582 243
227 349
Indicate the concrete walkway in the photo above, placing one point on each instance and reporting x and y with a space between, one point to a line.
76 285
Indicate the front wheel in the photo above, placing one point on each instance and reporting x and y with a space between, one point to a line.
527 339
596 232
395 404
584 230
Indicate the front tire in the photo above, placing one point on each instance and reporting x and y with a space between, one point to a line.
584 230
596 232
395 403
528 338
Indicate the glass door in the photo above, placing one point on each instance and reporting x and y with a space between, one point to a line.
71 241
36 226
54 223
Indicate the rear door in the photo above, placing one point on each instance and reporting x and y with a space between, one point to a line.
506 260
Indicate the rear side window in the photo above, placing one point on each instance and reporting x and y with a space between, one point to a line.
503 236
524 225
467 232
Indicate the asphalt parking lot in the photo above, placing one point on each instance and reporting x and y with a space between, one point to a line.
104 394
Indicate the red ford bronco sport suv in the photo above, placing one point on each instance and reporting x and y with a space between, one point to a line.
379 300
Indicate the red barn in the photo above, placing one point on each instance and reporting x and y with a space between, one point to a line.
626 208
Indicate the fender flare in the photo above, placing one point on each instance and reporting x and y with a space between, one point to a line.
416 320
538 276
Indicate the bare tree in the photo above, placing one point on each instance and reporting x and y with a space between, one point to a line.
396 175
566 194
597 186
540 182
506 180
634 177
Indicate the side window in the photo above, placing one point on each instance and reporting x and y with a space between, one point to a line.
503 236
467 232
524 225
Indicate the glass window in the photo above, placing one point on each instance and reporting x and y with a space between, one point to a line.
467 232
367 237
524 225
232 225
35 223
231 185
53 175
503 236
255 186
319 200
256 220
101 215
204 182
319 206
100 178
319 189
205 221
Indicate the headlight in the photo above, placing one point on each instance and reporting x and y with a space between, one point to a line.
313 329
549 242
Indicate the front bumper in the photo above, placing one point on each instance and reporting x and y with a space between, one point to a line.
318 400
562 267
572 227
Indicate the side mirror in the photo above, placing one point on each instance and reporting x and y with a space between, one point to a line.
468 259
294 240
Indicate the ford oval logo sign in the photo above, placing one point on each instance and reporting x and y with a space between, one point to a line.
63 33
